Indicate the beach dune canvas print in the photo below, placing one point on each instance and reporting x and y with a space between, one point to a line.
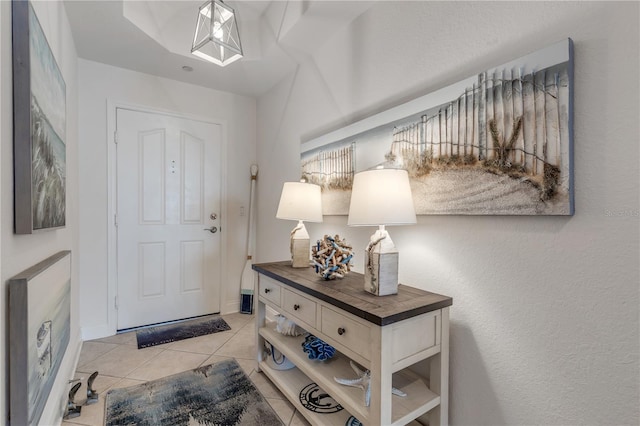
40 127
39 333
497 143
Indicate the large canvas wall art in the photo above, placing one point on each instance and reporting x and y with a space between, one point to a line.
39 119
39 332
498 143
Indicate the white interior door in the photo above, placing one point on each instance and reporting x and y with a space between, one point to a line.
168 215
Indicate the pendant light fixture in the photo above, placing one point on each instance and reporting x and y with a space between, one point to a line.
216 38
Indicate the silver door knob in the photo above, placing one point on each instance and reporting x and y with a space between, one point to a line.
213 229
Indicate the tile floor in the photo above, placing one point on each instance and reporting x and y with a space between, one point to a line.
122 364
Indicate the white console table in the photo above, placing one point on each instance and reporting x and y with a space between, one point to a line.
402 339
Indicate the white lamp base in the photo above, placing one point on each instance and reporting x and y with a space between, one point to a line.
381 265
300 247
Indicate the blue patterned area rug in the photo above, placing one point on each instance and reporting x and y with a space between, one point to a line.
216 394
179 331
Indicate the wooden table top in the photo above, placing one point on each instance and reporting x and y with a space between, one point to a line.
348 294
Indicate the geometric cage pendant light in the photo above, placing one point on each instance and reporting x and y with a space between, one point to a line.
216 38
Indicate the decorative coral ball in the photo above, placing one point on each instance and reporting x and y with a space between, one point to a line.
332 257
317 349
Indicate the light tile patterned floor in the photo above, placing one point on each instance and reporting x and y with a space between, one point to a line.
122 364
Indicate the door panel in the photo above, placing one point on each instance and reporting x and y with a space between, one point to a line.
152 176
168 185
193 266
192 179
152 279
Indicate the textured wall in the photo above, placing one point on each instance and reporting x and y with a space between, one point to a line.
544 326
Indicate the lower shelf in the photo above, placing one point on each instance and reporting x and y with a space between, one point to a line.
290 383
419 400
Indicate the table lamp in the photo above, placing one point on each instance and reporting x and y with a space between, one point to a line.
300 201
381 197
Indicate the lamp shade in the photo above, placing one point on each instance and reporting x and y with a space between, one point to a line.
381 197
300 201
216 37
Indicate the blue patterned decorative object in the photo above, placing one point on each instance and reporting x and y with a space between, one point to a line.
317 349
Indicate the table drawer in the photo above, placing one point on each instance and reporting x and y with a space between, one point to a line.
299 307
350 333
270 290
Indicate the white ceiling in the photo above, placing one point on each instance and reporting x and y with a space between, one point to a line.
155 37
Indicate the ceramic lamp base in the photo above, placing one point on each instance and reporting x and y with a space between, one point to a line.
300 249
381 273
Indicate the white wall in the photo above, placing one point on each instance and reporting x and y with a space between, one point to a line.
544 323
3 310
99 83
22 251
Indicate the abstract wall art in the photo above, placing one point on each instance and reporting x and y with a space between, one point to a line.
39 122
497 143
39 332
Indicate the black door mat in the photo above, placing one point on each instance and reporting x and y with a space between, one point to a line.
159 335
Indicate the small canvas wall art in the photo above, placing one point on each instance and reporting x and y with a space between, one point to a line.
39 332
498 143
39 113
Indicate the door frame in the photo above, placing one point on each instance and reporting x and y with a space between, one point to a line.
112 197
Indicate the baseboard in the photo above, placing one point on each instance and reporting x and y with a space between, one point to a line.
231 307
96 332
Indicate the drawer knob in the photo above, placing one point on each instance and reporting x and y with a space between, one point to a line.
341 331
267 290
296 307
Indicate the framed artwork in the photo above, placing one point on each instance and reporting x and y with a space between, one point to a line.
497 143
39 331
39 123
